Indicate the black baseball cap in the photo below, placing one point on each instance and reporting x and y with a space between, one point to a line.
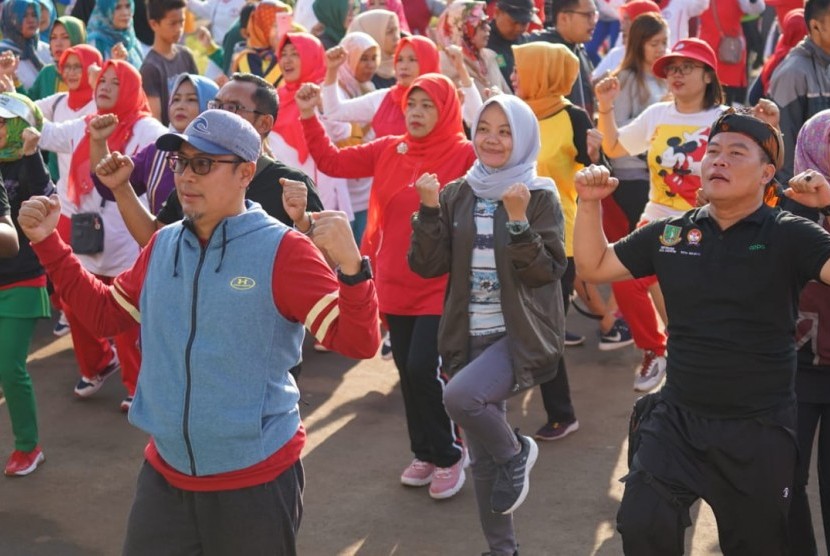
523 11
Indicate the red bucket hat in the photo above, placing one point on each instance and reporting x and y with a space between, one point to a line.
694 49
633 8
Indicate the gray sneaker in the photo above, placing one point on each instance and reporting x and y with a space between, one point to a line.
650 372
513 480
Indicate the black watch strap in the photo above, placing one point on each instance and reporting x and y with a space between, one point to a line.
364 274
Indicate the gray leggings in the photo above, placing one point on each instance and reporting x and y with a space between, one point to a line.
475 400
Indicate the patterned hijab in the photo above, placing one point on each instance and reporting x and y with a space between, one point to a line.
812 148
458 25
15 126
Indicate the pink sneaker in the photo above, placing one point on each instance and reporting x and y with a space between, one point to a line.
417 474
447 481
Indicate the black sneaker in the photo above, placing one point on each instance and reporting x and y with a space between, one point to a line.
513 480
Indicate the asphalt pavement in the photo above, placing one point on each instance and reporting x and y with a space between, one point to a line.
77 503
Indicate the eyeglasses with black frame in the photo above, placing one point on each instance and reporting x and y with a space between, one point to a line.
234 107
201 165
683 69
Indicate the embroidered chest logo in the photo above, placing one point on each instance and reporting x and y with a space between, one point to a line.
671 235
242 283
757 247
694 236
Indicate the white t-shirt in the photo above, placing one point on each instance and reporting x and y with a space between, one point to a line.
675 143
334 192
120 249
56 109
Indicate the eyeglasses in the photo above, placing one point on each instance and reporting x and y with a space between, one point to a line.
591 15
72 68
683 69
200 165
230 107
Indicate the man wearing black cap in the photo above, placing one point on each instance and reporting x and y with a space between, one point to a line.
223 299
509 27
722 428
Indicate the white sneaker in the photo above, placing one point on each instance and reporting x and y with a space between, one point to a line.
650 373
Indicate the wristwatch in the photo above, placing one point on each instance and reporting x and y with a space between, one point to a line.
517 227
365 273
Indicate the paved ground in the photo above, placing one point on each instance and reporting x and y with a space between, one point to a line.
77 503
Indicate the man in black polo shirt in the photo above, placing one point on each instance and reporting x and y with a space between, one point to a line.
730 271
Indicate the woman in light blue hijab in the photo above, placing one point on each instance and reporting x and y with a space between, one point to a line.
498 232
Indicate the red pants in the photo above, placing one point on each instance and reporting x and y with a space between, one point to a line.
93 353
633 299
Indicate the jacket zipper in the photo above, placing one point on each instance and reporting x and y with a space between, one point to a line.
186 419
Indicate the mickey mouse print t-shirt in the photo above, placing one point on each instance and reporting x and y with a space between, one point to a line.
675 144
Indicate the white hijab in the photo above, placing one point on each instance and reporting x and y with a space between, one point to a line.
491 183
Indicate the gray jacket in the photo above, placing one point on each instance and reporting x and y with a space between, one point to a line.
800 86
529 267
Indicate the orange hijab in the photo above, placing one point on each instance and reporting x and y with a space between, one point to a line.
546 74
312 70
130 106
445 151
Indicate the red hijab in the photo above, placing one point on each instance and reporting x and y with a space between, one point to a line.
312 70
88 55
130 106
389 118
795 29
444 151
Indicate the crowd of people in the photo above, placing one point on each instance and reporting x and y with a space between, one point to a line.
443 180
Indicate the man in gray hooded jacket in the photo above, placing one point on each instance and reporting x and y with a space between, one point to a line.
800 86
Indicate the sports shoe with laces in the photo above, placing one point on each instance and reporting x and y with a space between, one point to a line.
513 479
417 474
61 327
556 430
88 386
650 373
23 463
617 337
447 481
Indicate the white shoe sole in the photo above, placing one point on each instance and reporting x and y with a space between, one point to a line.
611 346
531 461
406 481
444 494
38 460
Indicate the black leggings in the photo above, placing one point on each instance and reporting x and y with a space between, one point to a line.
556 393
433 437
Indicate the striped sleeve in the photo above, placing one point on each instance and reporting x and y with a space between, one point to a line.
306 290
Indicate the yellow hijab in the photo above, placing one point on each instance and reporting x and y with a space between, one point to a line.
547 73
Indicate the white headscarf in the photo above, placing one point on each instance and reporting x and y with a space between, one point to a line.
355 43
491 183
